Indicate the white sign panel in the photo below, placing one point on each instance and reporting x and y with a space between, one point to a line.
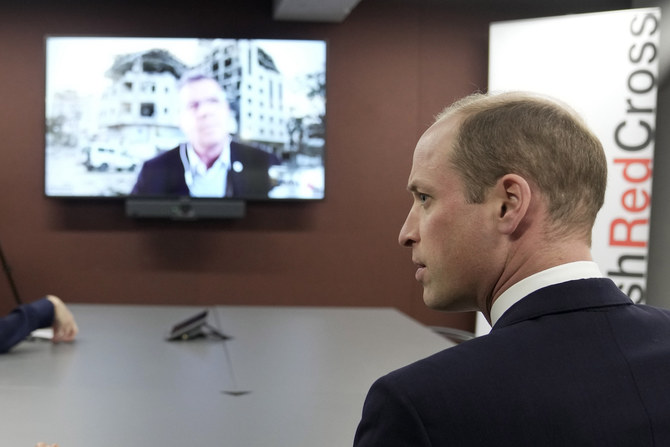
605 65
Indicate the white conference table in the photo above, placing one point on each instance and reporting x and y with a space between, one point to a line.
290 376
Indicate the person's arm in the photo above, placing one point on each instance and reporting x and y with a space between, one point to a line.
48 311
23 320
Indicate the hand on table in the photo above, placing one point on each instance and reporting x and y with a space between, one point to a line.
64 326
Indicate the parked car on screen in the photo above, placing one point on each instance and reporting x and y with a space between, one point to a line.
106 159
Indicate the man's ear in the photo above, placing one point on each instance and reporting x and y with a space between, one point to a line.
512 196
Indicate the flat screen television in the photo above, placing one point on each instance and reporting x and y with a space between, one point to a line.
134 118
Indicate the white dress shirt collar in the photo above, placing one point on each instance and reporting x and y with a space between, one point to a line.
203 181
197 166
554 275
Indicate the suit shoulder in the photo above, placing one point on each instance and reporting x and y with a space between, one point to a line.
169 157
247 153
458 363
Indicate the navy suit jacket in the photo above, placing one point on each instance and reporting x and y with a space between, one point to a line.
163 175
573 364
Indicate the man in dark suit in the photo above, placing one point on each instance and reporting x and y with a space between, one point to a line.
505 192
210 164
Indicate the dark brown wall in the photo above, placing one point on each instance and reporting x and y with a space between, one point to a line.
392 66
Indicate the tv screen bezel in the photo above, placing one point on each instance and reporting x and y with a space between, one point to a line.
171 198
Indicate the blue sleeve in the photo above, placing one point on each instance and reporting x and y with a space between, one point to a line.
23 320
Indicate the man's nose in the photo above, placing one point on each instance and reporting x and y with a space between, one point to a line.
408 235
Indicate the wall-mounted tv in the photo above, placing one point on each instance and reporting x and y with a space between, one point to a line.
185 118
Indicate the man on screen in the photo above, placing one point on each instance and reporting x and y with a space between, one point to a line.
209 163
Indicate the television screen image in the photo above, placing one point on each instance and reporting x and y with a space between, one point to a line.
146 117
